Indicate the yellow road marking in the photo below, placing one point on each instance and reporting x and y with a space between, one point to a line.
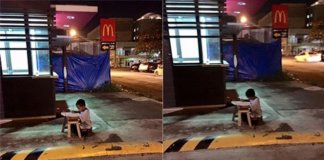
92 150
191 144
168 143
22 154
250 139
107 149
1 153
256 139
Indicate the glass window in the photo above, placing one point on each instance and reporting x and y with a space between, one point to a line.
182 25
14 62
38 24
185 50
12 44
3 60
19 60
12 24
12 19
13 53
211 50
35 38
210 32
180 11
208 11
41 62
183 32
11 30
36 44
207 6
209 18
180 6
11 37
181 18
210 25
38 31
191 39
37 20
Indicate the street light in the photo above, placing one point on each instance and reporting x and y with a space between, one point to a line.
243 19
73 32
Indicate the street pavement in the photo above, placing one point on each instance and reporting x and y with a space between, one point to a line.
117 117
311 73
142 83
288 107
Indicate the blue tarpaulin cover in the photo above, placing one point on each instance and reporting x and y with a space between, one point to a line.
84 72
256 61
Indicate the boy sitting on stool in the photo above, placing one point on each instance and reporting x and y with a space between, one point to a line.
256 112
84 118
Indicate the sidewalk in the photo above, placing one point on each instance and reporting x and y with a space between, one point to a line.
117 117
288 107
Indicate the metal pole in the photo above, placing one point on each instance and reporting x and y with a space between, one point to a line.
64 61
235 54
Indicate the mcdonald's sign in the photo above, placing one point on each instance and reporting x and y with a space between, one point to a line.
279 16
107 30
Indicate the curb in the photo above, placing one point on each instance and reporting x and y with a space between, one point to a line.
82 151
241 140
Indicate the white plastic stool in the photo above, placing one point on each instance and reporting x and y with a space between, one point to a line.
239 112
69 123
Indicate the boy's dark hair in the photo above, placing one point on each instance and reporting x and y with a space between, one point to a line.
80 102
250 92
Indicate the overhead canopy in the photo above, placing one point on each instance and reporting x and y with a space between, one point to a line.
74 16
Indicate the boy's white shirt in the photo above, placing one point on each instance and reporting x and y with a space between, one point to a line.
255 108
85 119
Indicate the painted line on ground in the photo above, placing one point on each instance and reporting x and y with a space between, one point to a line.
86 150
241 140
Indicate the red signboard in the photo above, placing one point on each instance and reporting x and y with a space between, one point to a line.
280 16
107 30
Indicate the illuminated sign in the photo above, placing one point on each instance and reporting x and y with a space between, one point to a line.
107 30
279 16
280 33
105 46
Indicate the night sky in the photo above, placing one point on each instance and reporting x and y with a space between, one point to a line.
116 8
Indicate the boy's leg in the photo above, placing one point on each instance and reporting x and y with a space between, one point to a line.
256 121
84 132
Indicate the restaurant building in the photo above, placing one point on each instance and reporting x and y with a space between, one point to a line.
28 34
193 62
301 18
27 79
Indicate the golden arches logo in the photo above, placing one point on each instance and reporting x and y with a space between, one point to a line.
281 16
107 29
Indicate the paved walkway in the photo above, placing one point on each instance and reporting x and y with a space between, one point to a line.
287 107
117 117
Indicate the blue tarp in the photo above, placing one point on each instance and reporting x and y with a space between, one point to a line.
256 61
85 72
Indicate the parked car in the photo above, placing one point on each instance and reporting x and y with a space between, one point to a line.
159 70
148 67
308 57
135 66
143 67
152 67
